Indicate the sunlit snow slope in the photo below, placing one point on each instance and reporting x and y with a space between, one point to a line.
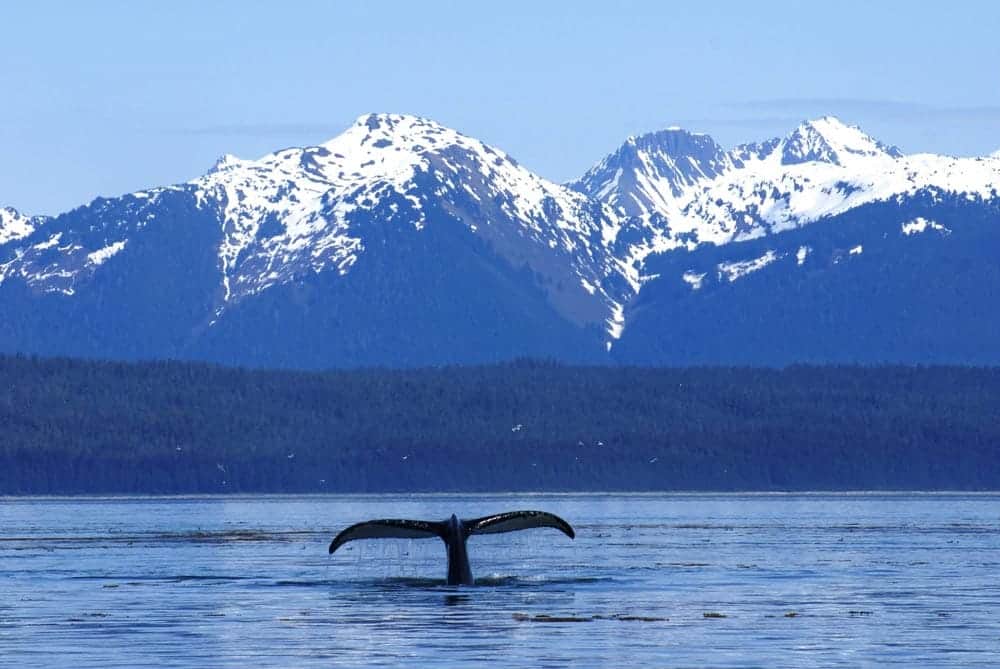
822 168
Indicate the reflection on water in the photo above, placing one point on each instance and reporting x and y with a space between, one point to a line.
651 581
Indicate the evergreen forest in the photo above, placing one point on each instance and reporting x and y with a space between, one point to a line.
70 426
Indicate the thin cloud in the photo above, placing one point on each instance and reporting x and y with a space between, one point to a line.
762 122
894 109
860 104
260 129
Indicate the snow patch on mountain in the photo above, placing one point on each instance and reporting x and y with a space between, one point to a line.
732 271
54 258
694 279
14 225
616 322
101 256
801 255
921 224
48 243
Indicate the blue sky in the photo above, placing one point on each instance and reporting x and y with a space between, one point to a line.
101 98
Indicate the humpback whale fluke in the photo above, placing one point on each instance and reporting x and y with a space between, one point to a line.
453 532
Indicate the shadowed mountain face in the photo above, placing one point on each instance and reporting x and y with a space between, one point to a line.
911 282
402 242
647 173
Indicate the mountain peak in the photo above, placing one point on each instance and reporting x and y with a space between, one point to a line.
831 122
390 121
666 132
673 141
648 172
226 161
830 140
385 126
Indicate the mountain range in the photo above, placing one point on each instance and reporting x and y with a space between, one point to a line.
402 242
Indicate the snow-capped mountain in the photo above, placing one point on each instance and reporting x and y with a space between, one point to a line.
404 242
305 211
822 168
393 205
295 210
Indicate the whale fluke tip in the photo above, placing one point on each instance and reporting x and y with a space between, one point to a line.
518 520
388 528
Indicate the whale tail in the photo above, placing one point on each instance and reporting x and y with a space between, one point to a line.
453 532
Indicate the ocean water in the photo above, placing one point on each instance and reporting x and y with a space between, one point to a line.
650 581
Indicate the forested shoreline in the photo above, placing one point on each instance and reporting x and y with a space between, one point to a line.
70 426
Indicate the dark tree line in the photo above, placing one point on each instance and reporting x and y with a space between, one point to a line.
74 426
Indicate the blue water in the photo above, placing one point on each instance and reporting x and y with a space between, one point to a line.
650 581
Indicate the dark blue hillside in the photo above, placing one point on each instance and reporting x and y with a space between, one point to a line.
439 295
151 300
929 297
414 298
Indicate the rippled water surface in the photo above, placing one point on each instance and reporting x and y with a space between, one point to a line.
650 581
